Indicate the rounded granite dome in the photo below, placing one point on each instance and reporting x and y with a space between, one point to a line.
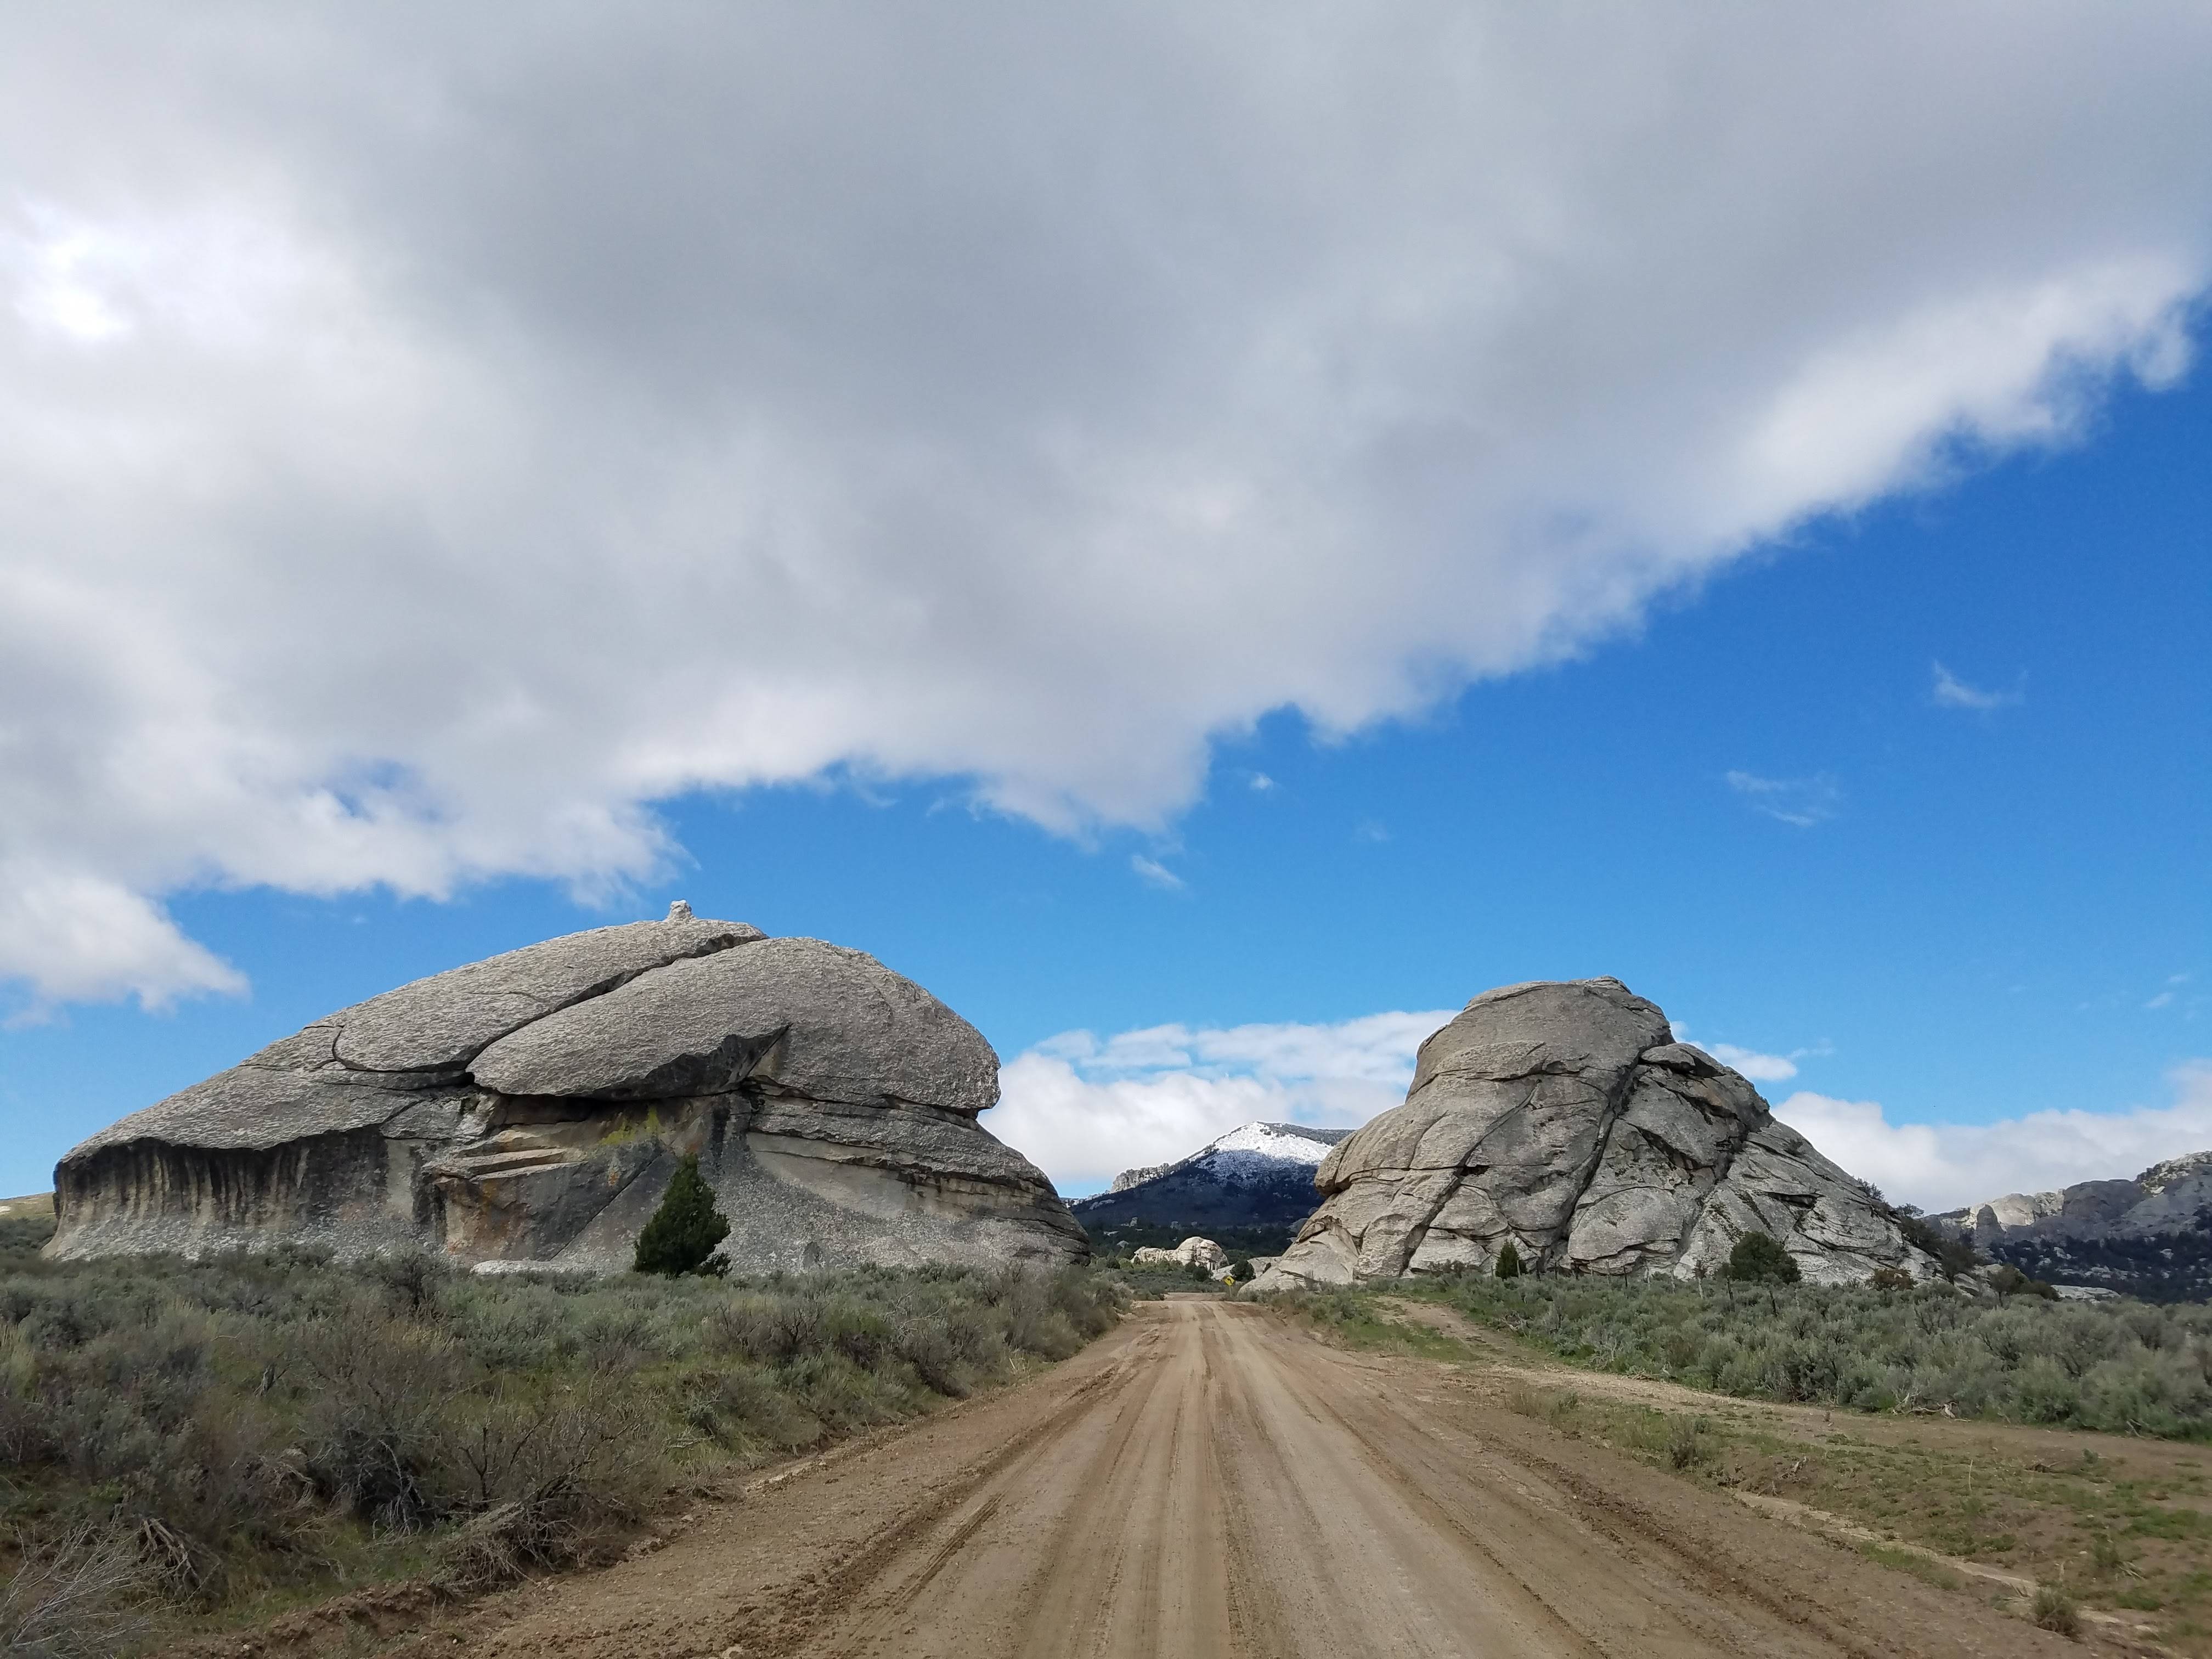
1562 1117
531 1108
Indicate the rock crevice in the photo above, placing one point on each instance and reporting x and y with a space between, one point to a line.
531 1107
1562 1117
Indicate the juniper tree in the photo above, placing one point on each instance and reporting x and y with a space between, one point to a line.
1758 1259
687 1229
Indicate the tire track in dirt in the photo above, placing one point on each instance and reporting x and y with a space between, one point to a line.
1653 1577
1480 1588
858 1585
1212 1482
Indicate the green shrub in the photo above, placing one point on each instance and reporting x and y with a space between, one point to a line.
1508 1261
1758 1259
746 1409
2007 1280
687 1229
2127 1368
279 1422
23 1235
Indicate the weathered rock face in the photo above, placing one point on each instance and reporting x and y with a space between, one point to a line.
530 1108
1192 1252
2151 1237
2171 1197
1565 1117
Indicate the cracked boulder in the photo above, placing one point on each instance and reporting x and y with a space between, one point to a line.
1562 1117
530 1108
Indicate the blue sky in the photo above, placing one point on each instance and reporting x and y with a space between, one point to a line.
2000 912
1257 617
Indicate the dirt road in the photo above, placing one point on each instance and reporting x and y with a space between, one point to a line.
1211 1480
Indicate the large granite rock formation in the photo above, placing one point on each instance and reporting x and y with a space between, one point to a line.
530 1108
1565 1117
2150 1237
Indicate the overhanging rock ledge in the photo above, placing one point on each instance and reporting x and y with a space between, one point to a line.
530 1109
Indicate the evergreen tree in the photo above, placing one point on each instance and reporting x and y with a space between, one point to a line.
687 1229
1508 1261
1758 1259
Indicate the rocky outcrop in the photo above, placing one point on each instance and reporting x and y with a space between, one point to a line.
1563 1116
1191 1253
2171 1197
1138 1176
2150 1237
531 1107
1258 1175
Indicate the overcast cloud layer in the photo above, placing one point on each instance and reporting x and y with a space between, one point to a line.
1085 1110
426 442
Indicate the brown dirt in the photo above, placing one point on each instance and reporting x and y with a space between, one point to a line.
1903 1484
1211 1480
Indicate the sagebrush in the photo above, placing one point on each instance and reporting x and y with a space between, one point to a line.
180 1437
2128 1367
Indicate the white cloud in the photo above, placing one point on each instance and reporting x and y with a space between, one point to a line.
1940 1166
1803 802
421 453
81 938
1084 1107
1760 1068
1262 783
1952 692
1085 1110
2177 991
1154 873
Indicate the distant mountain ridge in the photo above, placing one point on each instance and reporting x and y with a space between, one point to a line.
2150 1237
1251 1148
1259 1174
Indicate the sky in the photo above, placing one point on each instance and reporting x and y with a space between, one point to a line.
1206 537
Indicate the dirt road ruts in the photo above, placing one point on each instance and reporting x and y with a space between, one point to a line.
1210 1479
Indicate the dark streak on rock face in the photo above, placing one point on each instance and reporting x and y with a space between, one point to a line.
1563 1116
531 1107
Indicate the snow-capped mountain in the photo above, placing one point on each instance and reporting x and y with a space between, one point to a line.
1258 1175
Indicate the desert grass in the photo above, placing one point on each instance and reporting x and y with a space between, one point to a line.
2130 1541
2121 1366
2095 1528
189 1445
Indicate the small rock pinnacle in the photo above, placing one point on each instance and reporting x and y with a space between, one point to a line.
679 911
